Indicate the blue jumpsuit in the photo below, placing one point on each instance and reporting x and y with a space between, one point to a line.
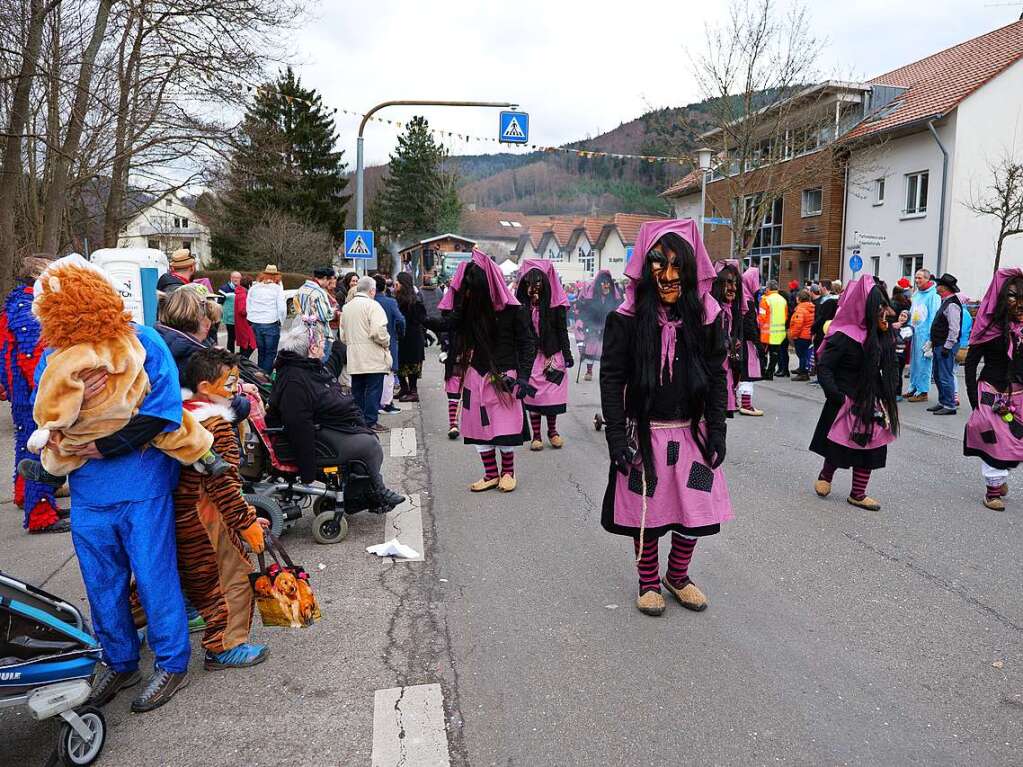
122 523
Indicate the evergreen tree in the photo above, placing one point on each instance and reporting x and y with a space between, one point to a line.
285 163
418 198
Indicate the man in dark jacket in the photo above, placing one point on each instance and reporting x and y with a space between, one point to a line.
396 328
182 269
946 332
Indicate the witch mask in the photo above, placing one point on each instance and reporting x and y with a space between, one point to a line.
665 269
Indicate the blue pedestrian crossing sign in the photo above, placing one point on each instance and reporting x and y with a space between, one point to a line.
514 128
359 243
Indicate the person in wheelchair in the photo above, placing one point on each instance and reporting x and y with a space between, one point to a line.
307 400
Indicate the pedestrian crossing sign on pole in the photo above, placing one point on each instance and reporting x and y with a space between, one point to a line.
514 128
359 243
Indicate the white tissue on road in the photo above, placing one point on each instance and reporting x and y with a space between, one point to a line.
393 548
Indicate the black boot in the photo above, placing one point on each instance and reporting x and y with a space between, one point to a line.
387 499
107 683
33 471
160 688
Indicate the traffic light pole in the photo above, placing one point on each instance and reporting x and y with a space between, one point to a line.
360 198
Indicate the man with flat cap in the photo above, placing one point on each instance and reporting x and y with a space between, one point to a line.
946 336
313 301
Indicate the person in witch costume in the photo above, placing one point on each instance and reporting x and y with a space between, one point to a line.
663 391
726 292
859 373
596 300
494 350
994 432
540 292
751 349
440 323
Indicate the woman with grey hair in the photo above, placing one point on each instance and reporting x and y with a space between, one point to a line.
306 394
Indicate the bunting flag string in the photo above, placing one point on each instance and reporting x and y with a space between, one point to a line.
461 136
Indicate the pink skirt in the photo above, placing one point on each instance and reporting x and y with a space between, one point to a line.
730 377
551 398
490 416
990 435
453 386
686 491
847 430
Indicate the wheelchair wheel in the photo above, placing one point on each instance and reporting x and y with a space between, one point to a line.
267 508
72 748
329 527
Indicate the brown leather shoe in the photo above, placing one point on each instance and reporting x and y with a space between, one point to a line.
866 502
507 483
688 595
917 398
995 504
822 488
751 411
160 688
484 484
107 683
650 603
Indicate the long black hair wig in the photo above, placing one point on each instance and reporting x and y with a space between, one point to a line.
735 310
1003 318
692 342
880 385
476 320
550 318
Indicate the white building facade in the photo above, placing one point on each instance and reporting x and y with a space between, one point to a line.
167 225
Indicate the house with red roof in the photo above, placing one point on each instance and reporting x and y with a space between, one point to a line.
912 148
923 151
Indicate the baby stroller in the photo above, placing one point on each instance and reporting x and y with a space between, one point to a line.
47 657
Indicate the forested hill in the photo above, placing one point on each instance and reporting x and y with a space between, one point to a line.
561 182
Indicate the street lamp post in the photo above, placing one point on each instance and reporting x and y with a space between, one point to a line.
359 188
703 156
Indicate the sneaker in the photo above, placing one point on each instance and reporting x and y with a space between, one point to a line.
60 526
389 499
196 624
917 398
935 408
945 411
160 688
392 408
243 656
107 683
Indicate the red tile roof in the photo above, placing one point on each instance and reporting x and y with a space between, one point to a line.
938 83
685 184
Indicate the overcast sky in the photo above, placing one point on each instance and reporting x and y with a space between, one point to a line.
579 67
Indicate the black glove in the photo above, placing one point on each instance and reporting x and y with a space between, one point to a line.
716 449
524 389
569 359
622 458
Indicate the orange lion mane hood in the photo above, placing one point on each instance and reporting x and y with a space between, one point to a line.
77 304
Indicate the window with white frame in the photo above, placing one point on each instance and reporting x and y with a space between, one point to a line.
813 202
875 265
879 191
916 193
911 265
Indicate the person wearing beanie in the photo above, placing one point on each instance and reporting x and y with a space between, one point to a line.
182 269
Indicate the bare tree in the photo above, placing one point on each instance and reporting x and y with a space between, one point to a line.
770 123
291 244
1003 200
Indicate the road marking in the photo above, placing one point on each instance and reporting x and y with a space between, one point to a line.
405 522
403 442
408 727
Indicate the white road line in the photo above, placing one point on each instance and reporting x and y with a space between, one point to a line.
403 442
405 522
408 727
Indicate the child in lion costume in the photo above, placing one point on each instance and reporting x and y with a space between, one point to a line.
86 328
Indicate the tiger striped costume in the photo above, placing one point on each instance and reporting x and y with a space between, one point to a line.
210 512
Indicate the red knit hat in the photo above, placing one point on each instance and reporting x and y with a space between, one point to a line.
903 283
793 284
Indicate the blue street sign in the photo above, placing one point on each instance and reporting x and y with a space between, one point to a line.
718 221
628 253
359 243
514 128
855 262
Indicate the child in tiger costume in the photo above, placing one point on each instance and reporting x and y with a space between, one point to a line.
212 519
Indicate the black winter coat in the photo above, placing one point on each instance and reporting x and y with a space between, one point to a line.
182 346
306 394
553 337
412 345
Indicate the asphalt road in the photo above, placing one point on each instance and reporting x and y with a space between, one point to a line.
835 636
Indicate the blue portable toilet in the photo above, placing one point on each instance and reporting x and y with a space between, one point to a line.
135 272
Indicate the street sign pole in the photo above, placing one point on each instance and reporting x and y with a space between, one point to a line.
360 195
